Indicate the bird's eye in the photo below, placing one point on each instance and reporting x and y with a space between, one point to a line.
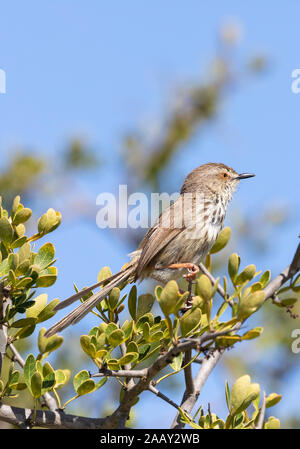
225 175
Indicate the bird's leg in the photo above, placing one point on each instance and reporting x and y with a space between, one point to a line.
193 270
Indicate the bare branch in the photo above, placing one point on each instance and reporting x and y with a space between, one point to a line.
121 373
162 396
189 400
271 289
261 417
50 419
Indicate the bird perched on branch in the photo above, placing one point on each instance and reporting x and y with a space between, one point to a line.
181 237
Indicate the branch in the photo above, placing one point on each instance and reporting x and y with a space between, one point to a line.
162 396
50 419
271 289
121 414
260 421
121 373
4 303
189 400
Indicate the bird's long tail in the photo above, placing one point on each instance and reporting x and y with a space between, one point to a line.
78 313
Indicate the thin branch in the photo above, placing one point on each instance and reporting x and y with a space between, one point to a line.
271 289
4 303
121 373
188 375
162 396
189 400
261 417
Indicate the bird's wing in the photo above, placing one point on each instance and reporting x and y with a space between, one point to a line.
167 227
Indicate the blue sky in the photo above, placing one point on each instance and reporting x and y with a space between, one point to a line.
96 69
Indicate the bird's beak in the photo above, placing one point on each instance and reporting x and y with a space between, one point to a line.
244 176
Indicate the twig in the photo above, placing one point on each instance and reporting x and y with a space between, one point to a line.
190 400
121 373
4 303
162 396
261 417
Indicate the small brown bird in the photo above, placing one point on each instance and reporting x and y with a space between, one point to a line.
181 237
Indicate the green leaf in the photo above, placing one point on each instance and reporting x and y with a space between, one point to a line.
242 394
116 337
48 312
250 304
132 347
156 336
204 288
113 364
101 383
36 384
127 329
25 332
233 266
113 298
227 394
129 357
265 278
39 305
246 275
22 216
13 379
86 387
48 382
4 267
146 331
47 368
87 346
145 303
19 242
177 362
24 322
253 333
132 300
273 399
49 221
49 344
167 298
222 240
6 230
15 205
286 302
190 321
272 423
104 273
61 377
45 255
79 378
47 277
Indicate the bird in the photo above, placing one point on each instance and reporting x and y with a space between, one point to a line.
177 242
